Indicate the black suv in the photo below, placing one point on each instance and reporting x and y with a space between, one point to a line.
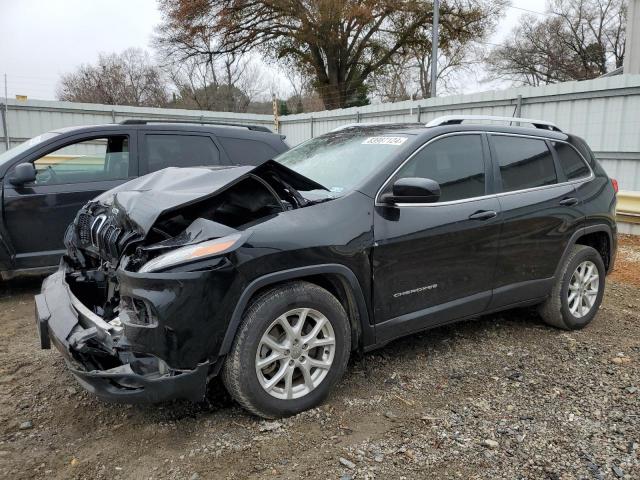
271 276
47 179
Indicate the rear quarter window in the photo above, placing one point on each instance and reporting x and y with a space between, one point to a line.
571 162
242 151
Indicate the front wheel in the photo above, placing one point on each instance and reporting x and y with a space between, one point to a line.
292 347
577 293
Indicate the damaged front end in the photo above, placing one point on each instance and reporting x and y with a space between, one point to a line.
139 306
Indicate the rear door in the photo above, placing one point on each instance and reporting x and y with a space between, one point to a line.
435 262
70 172
161 149
540 213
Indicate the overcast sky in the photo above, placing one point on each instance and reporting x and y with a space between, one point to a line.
41 39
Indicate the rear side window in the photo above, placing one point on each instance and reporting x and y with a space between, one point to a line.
163 151
524 162
242 151
571 162
455 162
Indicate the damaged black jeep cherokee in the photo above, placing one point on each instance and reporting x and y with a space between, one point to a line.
271 275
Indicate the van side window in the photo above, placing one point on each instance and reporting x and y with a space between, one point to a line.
93 160
524 162
455 162
247 152
162 151
572 164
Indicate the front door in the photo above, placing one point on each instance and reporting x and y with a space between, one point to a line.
435 262
70 174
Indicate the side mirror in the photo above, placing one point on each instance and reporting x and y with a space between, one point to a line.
413 190
23 173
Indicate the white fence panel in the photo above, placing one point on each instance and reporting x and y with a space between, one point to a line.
605 112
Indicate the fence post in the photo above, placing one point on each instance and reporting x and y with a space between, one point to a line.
518 110
518 106
311 125
5 130
5 119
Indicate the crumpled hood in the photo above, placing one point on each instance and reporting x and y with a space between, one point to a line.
146 198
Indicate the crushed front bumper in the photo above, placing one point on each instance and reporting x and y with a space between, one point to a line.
64 321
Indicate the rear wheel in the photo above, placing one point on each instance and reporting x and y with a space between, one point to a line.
578 291
290 350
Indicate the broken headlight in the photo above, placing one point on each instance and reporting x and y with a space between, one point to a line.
192 253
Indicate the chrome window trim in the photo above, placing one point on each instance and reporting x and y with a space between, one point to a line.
377 203
590 177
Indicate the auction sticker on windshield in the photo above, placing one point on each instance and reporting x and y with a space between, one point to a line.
384 141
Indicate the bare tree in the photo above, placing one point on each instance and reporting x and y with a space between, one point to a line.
576 40
203 77
395 81
225 83
128 78
340 42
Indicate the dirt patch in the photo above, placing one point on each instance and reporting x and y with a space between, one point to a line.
627 267
499 397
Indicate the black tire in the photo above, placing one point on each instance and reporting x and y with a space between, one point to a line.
239 371
555 310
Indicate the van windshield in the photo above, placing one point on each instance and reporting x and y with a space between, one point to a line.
24 146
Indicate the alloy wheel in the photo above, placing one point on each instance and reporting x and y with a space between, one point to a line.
295 353
583 289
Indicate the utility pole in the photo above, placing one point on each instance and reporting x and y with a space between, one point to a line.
434 46
632 55
276 117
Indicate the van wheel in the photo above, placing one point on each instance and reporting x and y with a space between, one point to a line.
577 293
291 349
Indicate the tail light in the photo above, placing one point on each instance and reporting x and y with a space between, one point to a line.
614 182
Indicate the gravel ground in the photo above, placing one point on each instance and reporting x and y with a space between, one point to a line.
500 397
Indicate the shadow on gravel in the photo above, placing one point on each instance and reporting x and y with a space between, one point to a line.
216 401
433 339
20 286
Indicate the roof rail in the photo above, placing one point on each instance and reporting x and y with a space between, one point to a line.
136 121
457 119
358 124
375 124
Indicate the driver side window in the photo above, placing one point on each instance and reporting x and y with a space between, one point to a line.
455 162
94 160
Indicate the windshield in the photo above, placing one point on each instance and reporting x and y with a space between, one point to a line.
341 160
17 150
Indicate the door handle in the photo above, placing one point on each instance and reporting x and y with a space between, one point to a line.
483 215
568 202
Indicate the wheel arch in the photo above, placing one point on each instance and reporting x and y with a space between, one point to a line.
600 237
338 279
600 240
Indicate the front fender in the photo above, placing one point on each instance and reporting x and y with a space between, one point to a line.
367 329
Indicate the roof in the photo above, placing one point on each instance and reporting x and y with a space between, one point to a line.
217 129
